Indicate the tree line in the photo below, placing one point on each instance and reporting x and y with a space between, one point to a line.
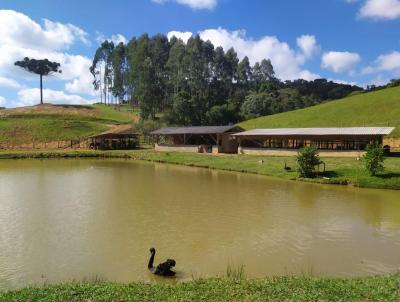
195 83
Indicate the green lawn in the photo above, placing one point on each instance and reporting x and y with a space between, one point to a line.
224 289
380 108
339 170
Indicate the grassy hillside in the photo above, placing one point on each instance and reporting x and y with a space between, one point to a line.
46 123
380 108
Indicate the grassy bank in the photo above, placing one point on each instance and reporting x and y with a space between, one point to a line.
345 171
273 289
47 123
355 111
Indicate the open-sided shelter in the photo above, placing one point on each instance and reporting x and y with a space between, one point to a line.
263 141
200 139
120 139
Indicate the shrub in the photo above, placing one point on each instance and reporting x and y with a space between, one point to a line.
307 159
374 158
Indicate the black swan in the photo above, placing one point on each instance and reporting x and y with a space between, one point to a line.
163 269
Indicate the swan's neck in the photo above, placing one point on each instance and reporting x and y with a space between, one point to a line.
150 265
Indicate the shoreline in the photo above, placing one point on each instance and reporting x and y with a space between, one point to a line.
340 171
373 288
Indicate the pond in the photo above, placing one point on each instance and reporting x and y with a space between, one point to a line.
63 220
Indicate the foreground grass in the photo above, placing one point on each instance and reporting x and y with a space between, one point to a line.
345 171
272 289
356 111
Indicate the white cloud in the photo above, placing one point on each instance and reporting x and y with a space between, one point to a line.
308 45
118 38
343 82
337 61
184 36
195 4
386 63
379 80
380 9
19 30
31 96
286 61
2 100
22 37
7 82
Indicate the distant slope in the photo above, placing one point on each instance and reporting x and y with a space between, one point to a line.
380 108
47 123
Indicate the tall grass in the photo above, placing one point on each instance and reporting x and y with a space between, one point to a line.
235 272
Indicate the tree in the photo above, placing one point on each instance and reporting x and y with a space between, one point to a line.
40 67
170 76
103 58
263 71
374 158
244 71
256 105
119 66
221 115
307 159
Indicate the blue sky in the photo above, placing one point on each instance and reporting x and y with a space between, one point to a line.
354 41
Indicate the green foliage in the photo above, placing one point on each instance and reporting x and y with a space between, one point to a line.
102 70
145 127
270 101
307 159
170 76
220 115
394 83
374 158
355 111
256 104
40 67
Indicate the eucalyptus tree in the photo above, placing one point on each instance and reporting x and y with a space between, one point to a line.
244 72
101 68
176 70
119 63
263 72
131 70
159 53
41 67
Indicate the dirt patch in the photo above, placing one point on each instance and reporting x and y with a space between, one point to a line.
51 109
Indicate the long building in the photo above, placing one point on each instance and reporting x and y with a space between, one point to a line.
286 141
201 139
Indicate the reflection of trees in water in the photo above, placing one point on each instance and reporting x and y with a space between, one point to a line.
380 208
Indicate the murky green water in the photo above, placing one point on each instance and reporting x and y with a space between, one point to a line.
63 220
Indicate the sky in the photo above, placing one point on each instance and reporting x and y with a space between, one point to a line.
349 41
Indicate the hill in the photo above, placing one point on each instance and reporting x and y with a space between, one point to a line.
379 108
49 123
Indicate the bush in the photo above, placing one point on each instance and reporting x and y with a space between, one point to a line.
145 127
307 159
374 158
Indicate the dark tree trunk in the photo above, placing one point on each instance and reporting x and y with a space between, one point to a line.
41 89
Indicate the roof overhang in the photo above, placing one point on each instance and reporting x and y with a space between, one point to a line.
199 130
350 131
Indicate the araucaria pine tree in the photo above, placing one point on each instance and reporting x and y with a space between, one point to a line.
40 67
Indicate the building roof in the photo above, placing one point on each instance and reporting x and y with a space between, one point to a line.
317 131
196 130
122 131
